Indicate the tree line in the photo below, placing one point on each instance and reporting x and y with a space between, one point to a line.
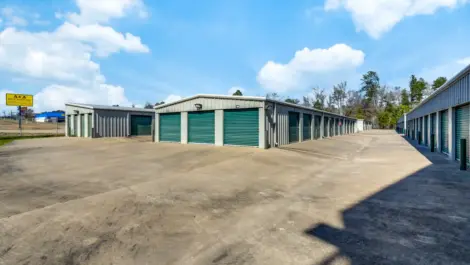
381 104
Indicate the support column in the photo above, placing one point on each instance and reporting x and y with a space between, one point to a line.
322 126
328 127
219 127
450 124
262 128
184 127
301 127
157 128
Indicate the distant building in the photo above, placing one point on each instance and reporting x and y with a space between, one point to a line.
51 116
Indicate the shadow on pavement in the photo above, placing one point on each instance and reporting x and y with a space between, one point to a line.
422 219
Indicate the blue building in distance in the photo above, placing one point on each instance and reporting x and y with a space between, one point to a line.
51 116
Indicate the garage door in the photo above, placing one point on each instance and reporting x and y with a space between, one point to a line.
201 128
325 127
317 128
293 127
433 128
75 125
90 124
461 129
425 130
241 127
444 129
307 127
170 127
332 124
141 125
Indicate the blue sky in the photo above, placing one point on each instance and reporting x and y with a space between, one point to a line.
133 51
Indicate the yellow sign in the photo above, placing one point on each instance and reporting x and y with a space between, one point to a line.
19 100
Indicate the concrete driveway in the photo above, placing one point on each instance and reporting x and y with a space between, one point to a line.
370 198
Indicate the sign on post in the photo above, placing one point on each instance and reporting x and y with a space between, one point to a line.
19 100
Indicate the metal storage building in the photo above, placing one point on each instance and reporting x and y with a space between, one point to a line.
95 121
244 121
444 116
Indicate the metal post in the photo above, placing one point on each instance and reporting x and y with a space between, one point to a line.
19 120
463 154
432 143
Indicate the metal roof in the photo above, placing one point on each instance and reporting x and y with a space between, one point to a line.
104 107
247 98
445 86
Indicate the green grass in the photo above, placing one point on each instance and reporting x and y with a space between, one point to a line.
10 138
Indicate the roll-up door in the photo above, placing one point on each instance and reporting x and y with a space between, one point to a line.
170 127
332 126
433 128
69 125
461 128
90 124
325 127
425 130
293 127
307 127
201 127
444 132
140 125
241 127
317 127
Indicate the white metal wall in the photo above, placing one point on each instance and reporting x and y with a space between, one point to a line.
212 104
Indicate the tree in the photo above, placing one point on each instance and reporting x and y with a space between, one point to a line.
160 103
292 100
438 83
237 93
417 89
405 98
116 105
307 102
370 87
133 105
320 97
339 96
148 105
273 96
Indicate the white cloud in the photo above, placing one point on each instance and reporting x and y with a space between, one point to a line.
234 89
172 98
308 64
464 61
3 103
92 11
11 19
65 59
55 96
376 17
104 39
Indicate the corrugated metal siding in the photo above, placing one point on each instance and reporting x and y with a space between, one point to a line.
114 123
212 104
457 94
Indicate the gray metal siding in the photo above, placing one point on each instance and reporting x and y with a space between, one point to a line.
212 104
458 93
110 123
282 129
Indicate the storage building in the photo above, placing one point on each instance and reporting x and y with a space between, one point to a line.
244 121
84 120
442 119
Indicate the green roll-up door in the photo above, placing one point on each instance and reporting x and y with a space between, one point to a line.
425 130
444 132
241 127
90 124
462 124
317 127
170 127
141 125
307 127
293 127
325 127
332 124
433 128
201 127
